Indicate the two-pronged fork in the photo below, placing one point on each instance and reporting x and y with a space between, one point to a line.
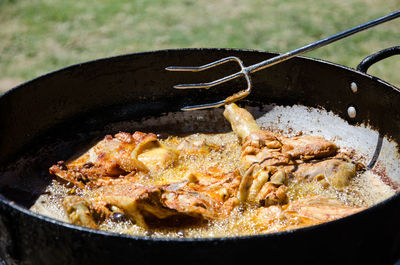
246 71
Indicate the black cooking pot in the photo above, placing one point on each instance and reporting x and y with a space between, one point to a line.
68 105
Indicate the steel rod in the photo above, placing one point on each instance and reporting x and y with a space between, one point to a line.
286 56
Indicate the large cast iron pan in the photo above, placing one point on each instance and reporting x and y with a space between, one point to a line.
71 103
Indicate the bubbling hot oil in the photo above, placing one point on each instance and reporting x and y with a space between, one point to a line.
222 151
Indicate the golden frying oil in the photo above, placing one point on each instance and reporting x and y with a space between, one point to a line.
221 151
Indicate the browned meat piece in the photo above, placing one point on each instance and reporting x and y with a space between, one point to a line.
271 152
335 172
263 186
78 211
133 200
263 147
311 210
200 197
307 147
319 209
113 157
274 149
243 124
271 194
259 158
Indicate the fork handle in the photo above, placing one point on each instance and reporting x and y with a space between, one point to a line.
312 46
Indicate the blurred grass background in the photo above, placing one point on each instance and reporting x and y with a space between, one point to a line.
38 36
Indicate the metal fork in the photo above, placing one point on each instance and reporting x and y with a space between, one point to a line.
246 71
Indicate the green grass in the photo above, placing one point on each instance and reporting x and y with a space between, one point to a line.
38 36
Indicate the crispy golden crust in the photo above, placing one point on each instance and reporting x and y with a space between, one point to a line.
114 174
207 197
112 157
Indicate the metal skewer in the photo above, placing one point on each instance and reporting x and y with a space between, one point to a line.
246 71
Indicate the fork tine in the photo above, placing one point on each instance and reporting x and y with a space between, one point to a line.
204 106
202 67
235 97
210 84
